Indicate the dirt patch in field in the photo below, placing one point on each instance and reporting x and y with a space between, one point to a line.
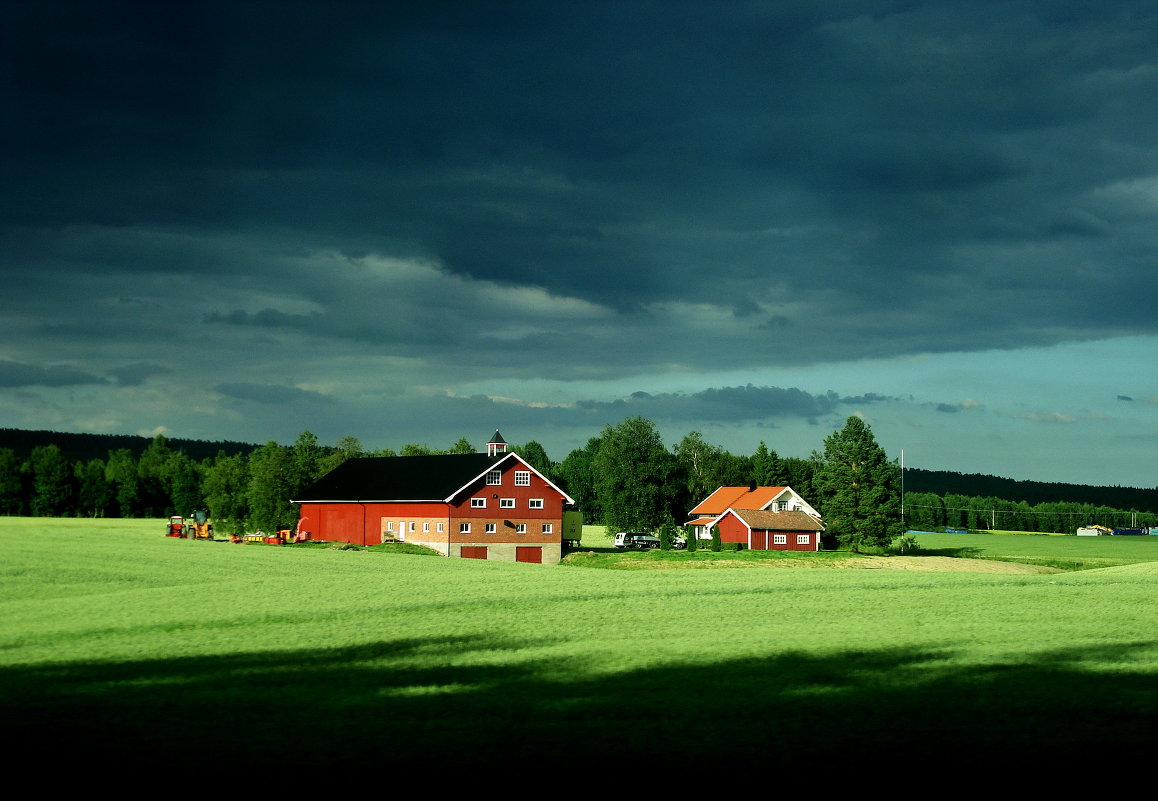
943 564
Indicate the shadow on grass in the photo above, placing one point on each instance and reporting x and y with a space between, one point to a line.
429 702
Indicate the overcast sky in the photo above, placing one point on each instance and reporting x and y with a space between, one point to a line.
411 222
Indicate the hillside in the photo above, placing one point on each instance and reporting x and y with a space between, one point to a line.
82 447
943 482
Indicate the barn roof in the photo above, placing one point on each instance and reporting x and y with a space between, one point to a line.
764 520
397 478
405 478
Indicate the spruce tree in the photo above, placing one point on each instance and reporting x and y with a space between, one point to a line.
860 487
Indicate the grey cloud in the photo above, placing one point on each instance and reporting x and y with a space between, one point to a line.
744 403
132 375
270 394
18 374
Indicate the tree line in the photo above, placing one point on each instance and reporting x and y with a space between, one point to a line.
624 478
927 510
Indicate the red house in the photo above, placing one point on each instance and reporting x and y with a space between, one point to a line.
477 506
761 518
762 530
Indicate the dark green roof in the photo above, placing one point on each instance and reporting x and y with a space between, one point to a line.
398 478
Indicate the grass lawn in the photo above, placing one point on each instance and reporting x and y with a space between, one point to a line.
136 649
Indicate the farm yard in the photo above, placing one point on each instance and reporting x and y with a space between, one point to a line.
123 647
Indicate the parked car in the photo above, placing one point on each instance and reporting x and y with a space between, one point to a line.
635 539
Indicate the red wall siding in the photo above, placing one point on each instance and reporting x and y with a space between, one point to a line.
732 530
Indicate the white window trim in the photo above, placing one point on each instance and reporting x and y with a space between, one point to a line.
803 539
522 478
494 478
478 503
779 539
464 528
389 525
441 527
548 528
426 527
521 528
506 503
491 528
535 503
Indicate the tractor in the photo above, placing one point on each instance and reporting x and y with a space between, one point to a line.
199 526
196 526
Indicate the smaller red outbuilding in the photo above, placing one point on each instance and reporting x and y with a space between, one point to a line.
763 530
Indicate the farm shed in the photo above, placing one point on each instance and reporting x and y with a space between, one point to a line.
763 530
752 497
476 506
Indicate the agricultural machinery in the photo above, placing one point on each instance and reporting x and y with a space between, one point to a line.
196 526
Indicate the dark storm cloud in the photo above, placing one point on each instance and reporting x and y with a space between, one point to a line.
821 181
17 374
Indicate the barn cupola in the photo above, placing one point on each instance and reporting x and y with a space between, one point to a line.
496 445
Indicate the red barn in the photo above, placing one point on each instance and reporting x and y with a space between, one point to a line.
763 530
478 505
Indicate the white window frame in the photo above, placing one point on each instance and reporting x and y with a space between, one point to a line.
803 539
491 528
464 528
494 478
413 527
426 527
390 525
441 527
506 503
535 503
779 539
520 528
478 503
522 478
548 528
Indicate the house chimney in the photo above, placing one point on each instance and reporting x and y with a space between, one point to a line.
752 486
496 445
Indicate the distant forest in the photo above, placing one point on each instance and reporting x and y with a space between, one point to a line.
942 482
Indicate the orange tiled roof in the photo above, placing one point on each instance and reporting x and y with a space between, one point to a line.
727 497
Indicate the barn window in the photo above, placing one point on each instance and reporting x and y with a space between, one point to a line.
412 529
441 527
535 503
522 478
803 539
779 539
548 528
521 528
490 528
478 503
464 528
426 527
494 478
390 525
506 503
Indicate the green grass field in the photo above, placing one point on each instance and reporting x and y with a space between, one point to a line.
136 649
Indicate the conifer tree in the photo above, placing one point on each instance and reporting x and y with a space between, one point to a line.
861 502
